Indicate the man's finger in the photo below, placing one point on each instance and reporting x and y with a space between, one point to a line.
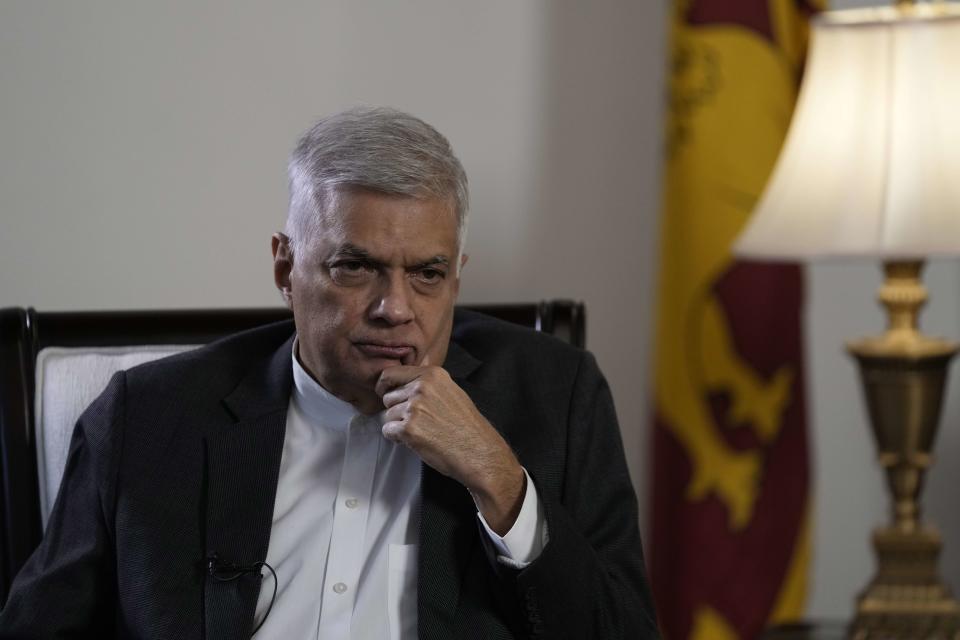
397 395
393 377
396 413
393 431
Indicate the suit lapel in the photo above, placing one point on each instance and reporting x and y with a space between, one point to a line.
460 364
448 520
242 467
448 534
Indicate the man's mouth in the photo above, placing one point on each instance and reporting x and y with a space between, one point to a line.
402 352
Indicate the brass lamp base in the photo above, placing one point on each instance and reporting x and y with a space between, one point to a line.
903 374
906 600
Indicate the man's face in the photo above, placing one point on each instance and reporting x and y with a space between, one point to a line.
373 288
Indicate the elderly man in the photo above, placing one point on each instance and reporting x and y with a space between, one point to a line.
382 468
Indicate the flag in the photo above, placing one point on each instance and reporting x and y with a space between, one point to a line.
730 510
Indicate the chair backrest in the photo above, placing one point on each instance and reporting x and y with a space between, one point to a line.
53 364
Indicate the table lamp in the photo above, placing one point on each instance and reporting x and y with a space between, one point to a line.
871 167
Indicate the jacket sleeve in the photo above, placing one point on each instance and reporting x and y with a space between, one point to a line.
67 588
589 581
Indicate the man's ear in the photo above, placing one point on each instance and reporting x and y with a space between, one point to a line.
282 266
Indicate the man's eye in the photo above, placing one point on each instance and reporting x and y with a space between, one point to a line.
430 276
351 271
352 266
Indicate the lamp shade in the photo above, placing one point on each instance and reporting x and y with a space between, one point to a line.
871 164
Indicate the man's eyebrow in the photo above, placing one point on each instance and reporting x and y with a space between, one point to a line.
353 251
349 250
430 262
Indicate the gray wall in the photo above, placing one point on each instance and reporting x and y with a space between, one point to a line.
144 144
142 148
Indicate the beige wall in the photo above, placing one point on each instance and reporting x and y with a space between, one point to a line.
144 145
142 149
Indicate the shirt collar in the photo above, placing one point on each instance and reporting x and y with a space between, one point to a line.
321 406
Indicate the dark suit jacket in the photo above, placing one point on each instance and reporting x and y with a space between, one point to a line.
179 458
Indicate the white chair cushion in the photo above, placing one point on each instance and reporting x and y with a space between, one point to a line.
68 379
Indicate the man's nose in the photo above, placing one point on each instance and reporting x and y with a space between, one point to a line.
393 303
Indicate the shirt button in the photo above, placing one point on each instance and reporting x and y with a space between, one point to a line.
340 588
351 503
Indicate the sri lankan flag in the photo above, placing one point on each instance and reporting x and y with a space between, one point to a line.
731 500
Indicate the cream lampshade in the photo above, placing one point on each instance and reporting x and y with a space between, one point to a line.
871 167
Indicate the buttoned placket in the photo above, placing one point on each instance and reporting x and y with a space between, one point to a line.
346 557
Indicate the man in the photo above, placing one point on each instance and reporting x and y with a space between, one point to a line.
380 469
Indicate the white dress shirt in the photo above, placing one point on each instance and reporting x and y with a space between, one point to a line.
344 537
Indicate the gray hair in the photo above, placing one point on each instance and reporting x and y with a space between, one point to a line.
374 148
